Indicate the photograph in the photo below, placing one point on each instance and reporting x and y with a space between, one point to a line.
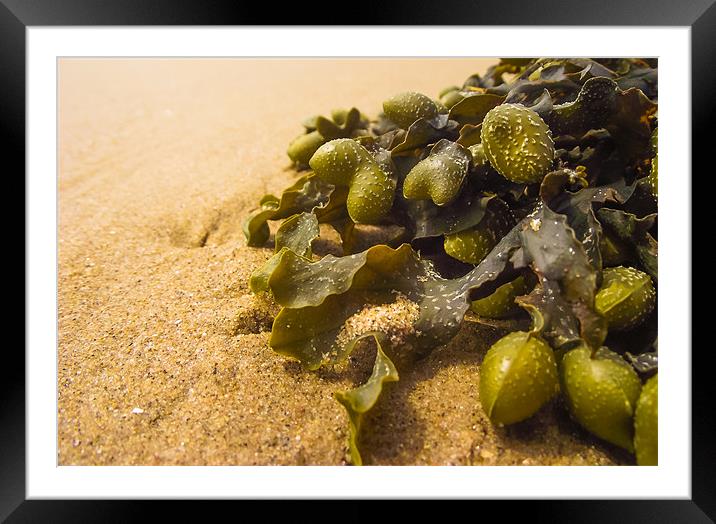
346 261
414 257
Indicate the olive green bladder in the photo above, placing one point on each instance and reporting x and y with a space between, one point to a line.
613 250
474 244
404 109
517 377
450 96
479 158
344 162
518 143
302 148
440 175
601 391
646 424
344 123
501 303
626 297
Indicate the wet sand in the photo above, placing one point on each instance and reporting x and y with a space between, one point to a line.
163 355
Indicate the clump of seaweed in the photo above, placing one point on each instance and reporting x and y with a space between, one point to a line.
526 197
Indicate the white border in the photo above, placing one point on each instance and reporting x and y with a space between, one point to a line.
670 479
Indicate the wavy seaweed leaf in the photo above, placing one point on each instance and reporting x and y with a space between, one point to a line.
543 105
579 207
309 334
318 297
360 400
297 234
473 108
594 107
551 315
258 281
564 298
631 124
470 135
544 242
645 363
425 131
600 103
634 231
306 194
642 77
430 220
342 124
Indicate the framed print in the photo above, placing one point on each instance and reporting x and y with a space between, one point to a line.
428 250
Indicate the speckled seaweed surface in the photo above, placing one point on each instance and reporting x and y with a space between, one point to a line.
163 355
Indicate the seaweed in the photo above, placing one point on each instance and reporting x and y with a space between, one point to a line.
423 132
513 195
438 177
473 107
307 194
635 232
320 130
359 400
297 233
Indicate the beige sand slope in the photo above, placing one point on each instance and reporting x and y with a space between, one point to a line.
163 355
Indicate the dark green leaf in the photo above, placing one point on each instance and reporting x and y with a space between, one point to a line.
543 105
340 127
594 106
309 334
643 78
644 363
562 305
297 233
634 231
554 253
307 193
258 282
472 109
552 316
360 400
555 182
429 220
601 104
579 206
423 132
470 135
631 124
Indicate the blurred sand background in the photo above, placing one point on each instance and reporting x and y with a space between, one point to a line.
163 355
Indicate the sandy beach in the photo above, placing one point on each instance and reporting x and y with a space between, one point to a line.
163 354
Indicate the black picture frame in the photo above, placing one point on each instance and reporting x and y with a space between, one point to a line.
17 15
